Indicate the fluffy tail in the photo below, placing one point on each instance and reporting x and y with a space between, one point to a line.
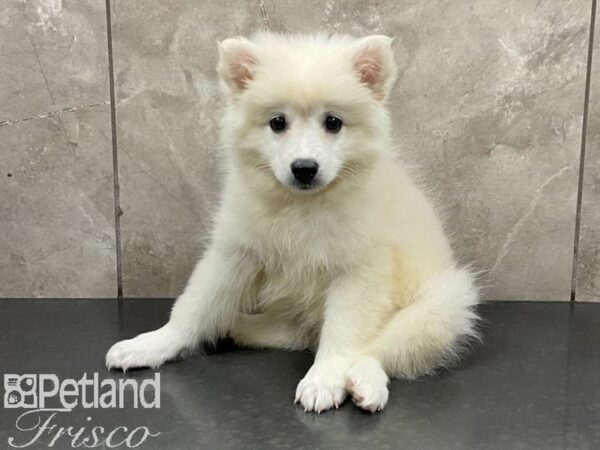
432 330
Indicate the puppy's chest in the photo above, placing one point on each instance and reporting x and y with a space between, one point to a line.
298 270
306 243
299 294
301 254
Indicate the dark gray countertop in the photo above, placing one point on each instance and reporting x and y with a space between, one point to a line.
533 384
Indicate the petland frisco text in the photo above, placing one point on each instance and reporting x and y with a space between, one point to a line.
47 398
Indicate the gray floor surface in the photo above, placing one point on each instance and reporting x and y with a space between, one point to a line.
533 384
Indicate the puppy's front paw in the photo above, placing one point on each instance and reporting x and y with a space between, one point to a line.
320 390
146 350
367 382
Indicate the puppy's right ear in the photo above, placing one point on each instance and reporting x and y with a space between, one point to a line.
237 61
374 63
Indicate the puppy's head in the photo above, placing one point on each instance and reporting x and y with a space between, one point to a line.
305 111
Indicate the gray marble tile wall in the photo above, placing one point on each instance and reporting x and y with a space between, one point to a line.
57 233
488 107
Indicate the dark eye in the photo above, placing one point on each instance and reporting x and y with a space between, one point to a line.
278 124
333 124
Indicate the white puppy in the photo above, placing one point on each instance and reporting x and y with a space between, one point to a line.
321 239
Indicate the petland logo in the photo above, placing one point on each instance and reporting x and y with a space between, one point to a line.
47 398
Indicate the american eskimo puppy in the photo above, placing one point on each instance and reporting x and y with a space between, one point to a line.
321 240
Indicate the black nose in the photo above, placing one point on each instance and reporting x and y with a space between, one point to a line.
304 170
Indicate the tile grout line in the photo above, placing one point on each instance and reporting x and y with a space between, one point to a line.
115 156
586 101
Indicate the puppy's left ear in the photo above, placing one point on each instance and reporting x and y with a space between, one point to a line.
373 61
237 61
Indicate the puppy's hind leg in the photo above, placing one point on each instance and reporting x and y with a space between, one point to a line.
430 332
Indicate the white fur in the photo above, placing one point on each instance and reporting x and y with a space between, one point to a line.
358 267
